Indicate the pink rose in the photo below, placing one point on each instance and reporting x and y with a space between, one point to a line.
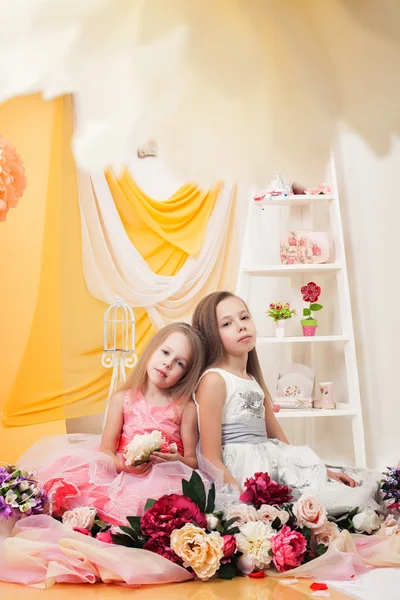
292 242
390 526
105 536
288 549
309 512
326 534
302 241
83 531
230 548
290 261
316 250
171 512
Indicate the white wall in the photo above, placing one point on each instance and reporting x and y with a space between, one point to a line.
370 204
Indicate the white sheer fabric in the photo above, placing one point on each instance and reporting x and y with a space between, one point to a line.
112 265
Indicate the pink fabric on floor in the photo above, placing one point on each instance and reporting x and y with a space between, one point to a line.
43 552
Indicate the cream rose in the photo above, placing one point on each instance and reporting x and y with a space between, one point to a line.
367 521
243 514
326 534
82 517
142 446
309 512
254 541
268 514
199 550
390 526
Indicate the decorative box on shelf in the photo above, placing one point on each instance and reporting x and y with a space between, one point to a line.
304 247
295 387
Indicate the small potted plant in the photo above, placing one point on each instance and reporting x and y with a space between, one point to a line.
311 292
280 313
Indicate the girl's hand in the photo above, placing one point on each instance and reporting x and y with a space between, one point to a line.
139 470
162 457
342 478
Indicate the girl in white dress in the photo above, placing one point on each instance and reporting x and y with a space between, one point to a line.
239 432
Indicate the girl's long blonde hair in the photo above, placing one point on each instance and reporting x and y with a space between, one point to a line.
185 386
205 320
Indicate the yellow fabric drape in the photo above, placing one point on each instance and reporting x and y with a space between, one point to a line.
51 330
52 337
165 233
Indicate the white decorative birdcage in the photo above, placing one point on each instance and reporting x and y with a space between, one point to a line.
119 347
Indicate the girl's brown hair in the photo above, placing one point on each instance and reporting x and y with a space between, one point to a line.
185 386
205 320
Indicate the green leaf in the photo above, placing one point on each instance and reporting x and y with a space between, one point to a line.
211 499
227 571
128 531
126 540
134 522
315 307
194 489
306 312
276 523
321 549
230 522
149 504
101 524
232 531
307 534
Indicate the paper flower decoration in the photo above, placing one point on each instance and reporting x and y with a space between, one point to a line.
12 177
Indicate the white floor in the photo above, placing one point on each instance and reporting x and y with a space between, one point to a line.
378 584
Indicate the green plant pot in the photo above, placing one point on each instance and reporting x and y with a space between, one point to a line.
309 326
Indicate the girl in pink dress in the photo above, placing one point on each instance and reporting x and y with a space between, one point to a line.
88 471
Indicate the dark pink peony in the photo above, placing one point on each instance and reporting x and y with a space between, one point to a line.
288 548
171 512
160 544
260 489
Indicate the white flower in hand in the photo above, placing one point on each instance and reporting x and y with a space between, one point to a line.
366 521
142 446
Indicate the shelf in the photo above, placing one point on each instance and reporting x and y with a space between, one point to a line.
261 270
301 339
300 200
302 413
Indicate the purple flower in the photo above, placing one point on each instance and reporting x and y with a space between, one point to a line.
5 509
3 474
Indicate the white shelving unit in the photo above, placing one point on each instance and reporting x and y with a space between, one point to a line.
300 209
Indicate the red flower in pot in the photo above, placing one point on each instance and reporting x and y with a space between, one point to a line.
311 292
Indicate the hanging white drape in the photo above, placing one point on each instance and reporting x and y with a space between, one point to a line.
112 265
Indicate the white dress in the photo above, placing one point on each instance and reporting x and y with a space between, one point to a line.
247 450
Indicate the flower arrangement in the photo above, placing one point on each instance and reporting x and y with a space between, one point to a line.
311 292
390 489
12 177
265 530
278 311
20 493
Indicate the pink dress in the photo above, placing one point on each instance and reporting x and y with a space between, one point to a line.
85 476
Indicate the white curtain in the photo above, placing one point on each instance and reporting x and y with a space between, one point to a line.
112 265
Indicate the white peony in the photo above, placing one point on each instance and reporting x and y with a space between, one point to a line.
82 517
142 446
254 541
268 513
243 513
366 521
